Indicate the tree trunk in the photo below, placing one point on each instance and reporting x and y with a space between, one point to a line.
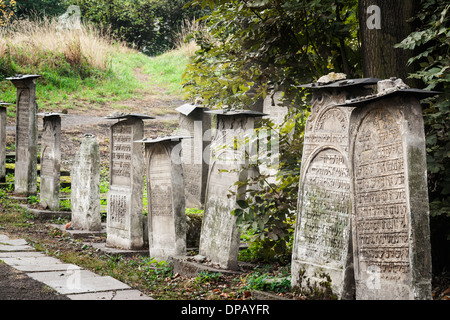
383 24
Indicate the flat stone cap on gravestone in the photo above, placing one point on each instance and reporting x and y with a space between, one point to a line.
419 93
20 77
187 109
167 138
5 104
121 115
50 114
234 112
341 83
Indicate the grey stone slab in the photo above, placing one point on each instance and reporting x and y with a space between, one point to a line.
37 263
194 122
85 196
391 232
220 237
19 254
117 251
2 143
50 163
14 245
166 205
25 175
322 233
126 183
111 295
77 281
3 237
80 234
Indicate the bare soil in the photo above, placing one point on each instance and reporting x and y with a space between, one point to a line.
16 285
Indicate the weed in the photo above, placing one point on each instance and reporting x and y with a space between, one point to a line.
206 277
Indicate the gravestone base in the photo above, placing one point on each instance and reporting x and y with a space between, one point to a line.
42 214
186 266
81 234
117 251
318 277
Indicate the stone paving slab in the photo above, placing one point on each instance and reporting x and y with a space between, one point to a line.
14 245
111 295
37 263
77 281
67 279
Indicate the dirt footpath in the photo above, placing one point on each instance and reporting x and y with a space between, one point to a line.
15 285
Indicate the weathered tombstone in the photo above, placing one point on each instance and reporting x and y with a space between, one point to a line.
50 161
196 123
322 241
71 19
85 197
277 113
3 107
165 192
391 235
274 108
26 135
220 239
125 197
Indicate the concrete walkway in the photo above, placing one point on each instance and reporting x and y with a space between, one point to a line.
67 279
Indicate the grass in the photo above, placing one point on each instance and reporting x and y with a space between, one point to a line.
83 70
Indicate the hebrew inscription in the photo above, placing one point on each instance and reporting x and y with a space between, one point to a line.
160 183
121 162
325 210
381 203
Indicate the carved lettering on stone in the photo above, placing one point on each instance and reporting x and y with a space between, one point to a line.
125 196
166 198
50 163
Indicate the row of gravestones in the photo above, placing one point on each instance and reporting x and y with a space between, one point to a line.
362 216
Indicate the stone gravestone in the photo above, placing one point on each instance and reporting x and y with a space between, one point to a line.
165 192
71 19
26 135
277 113
196 123
391 235
127 169
220 238
85 197
322 241
50 161
274 108
3 107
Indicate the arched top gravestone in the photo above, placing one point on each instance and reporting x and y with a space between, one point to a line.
166 200
391 235
322 245
220 239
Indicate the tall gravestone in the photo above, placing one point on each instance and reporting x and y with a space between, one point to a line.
196 123
127 169
220 238
322 241
391 235
3 107
50 161
26 135
85 196
274 108
165 192
276 113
